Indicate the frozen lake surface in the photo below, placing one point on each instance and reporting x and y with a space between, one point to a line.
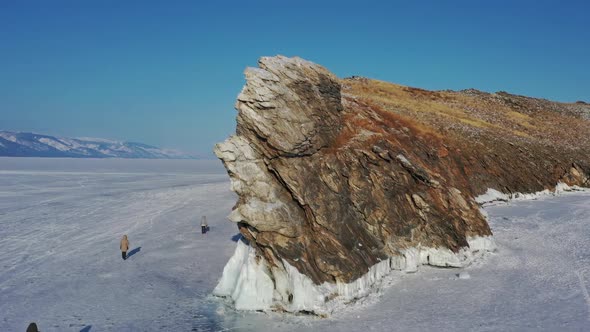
61 221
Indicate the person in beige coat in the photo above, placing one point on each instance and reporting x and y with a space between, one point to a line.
124 247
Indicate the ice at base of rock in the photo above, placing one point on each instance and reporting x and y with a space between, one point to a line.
248 281
493 195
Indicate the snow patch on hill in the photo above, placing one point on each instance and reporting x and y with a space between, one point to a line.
55 144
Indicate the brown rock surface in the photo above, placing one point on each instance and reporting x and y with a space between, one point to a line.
334 175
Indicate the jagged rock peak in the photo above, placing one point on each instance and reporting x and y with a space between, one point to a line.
290 103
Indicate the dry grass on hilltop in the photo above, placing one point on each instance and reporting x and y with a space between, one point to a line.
474 114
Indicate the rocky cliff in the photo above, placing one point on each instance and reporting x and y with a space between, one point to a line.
341 180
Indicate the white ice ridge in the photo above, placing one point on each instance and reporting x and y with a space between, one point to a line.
246 279
493 195
252 285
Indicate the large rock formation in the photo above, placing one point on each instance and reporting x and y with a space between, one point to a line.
340 181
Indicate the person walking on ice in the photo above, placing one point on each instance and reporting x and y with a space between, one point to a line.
124 246
204 226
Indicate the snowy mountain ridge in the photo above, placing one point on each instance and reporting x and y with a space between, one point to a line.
22 144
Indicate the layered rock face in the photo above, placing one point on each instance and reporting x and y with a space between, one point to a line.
335 177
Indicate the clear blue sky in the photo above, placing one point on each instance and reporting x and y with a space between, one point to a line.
167 72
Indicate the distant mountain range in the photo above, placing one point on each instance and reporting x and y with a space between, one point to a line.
19 144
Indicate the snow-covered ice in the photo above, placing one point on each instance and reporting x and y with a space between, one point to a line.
61 221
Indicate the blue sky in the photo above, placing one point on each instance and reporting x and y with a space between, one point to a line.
167 72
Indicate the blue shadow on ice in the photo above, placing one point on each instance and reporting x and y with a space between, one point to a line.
86 328
236 237
133 252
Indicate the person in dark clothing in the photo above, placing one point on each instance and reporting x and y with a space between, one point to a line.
33 328
204 225
124 247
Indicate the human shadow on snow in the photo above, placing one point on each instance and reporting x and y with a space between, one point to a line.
133 252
